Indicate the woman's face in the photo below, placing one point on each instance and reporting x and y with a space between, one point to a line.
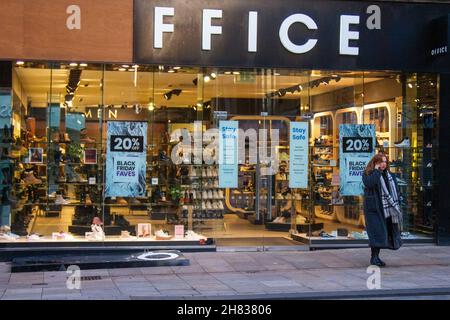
383 163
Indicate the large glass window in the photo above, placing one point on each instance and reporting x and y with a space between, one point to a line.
58 157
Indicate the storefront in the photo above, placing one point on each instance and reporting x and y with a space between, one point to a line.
204 121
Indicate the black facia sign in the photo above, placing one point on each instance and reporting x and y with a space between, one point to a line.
309 34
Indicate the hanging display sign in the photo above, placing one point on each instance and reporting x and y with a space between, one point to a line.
126 159
298 157
357 142
228 154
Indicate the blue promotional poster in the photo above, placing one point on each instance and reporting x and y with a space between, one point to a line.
298 155
228 154
357 147
126 159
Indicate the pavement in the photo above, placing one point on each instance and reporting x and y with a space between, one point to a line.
421 272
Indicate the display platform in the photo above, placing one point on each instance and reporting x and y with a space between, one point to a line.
24 248
157 258
347 242
301 228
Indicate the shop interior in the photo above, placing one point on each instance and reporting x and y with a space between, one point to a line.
54 149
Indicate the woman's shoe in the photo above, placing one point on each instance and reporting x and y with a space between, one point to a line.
376 261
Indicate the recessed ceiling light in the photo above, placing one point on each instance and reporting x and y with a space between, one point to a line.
227 72
20 63
131 69
207 78
236 72
213 75
83 64
410 85
122 69
125 66
135 66
171 71
276 74
73 64
177 68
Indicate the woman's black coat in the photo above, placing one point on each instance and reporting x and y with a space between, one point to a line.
376 225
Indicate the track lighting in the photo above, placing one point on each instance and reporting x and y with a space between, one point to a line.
168 95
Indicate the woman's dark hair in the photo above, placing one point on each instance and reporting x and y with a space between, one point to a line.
375 160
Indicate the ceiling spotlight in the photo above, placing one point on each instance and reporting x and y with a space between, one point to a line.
300 88
131 69
171 71
168 95
276 74
151 106
84 65
227 72
281 92
213 75
20 63
126 66
410 85
122 69
176 92
176 68
73 64
206 78
135 66
236 72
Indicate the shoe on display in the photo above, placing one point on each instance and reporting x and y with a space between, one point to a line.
60 200
134 201
429 165
300 219
214 206
279 196
205 194
215 195
162 235
208 205
220 194
429 145
203 205
210 194
33 237
220 205
87 140
31 179
405 143
121 200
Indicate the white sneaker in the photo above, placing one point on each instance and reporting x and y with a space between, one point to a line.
210 194
215 194
60 200
33 237
214 206
205 194
405 143
199 195
203 205
220 205
208 205
220 193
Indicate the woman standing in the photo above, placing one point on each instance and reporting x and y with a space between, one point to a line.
381 208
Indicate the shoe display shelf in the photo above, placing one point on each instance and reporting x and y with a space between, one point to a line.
243 198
